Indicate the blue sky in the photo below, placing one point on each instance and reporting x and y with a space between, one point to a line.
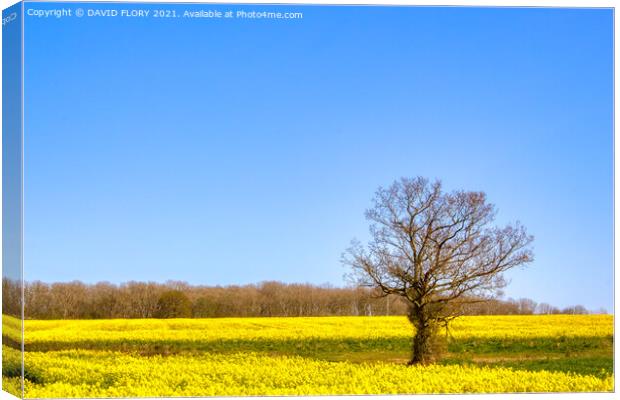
237 151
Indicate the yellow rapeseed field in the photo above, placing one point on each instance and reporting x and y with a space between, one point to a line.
304 356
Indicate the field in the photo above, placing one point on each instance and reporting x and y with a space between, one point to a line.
302 356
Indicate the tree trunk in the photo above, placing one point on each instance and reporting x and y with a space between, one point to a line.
422 348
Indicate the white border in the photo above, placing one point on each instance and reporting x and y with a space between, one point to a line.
480 3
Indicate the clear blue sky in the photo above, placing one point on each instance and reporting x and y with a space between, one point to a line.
237 151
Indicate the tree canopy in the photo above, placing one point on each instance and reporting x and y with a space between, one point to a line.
438 250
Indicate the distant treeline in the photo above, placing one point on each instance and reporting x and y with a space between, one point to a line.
77 300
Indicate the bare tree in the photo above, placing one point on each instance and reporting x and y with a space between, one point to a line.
544 308
69 298
76 300
437 250
12 297
527 306
575 310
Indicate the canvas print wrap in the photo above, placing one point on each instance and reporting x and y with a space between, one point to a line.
252 199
